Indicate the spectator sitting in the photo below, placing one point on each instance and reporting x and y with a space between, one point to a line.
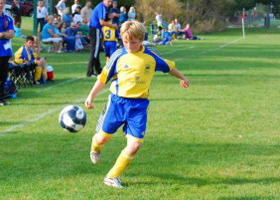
166 37
26 57
171 29
70 40
123 17
66 17
178 28
36 52
77 18
48 35
58 19
18 33
62 27
84 28
187 34
131 14
84 38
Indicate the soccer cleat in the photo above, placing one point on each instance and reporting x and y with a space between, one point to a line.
113 182
95 157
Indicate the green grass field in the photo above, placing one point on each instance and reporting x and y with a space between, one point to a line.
218 139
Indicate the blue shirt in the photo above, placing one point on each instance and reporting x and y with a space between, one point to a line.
45 33
115 19
71 31
6 23
99 12
122 17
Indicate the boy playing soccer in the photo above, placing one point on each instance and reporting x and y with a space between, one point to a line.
110 38
131 70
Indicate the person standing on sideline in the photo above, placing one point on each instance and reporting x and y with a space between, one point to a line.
60 6
86 11
97 21
123 17
116 12
42 15
16 11
75 5
6 33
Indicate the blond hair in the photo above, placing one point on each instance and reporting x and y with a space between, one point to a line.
133 30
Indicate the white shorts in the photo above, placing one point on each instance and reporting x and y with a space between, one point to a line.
54 40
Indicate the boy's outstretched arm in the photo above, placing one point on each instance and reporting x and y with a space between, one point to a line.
183 80
98 86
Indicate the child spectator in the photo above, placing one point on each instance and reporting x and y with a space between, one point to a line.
131 70
166 37
110 38
63 27
36 52
123 17
18 33
131 14
187 34
77 17
25 56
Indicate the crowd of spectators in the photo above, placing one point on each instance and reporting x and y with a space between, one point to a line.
165 33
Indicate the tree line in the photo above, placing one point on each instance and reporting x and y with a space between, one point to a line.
203 15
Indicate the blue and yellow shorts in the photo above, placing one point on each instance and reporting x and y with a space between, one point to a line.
118 111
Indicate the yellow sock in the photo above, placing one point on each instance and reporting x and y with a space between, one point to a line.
121 164
95 146
44 73
38 73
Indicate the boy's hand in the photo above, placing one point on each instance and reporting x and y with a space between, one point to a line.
184 83
88 103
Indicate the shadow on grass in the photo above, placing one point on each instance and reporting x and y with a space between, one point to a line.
203 182
249 198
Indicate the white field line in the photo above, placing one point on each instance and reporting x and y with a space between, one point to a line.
41 116
44 114
210 50
63 83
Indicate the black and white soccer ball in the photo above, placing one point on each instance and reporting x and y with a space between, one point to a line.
72 118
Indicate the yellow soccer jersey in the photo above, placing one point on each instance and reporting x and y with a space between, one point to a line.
132 73
109 34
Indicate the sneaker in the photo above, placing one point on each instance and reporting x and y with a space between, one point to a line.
95 157
3 102
37 83
113 182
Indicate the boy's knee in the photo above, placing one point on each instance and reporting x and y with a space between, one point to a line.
101 139
132 147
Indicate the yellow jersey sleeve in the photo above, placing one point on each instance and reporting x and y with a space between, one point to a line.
18 56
